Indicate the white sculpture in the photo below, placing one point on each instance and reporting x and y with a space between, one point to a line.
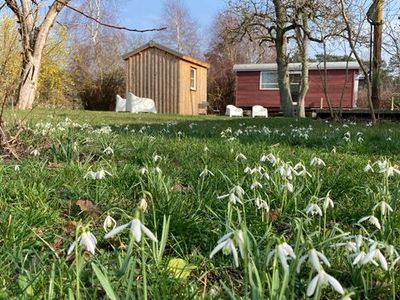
233 111
120 104
135 104
260 111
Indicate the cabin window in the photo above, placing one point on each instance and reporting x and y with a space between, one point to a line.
269 80
193 79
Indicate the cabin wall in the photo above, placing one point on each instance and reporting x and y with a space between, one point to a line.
154 73
248 91
191 102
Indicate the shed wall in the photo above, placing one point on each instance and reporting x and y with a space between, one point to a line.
248 91
191 101
154 73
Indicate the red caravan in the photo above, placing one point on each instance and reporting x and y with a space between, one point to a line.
257 84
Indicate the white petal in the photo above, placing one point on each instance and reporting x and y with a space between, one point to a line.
136 230
149 234
301 261
234 253
88 242
217 248
313 284
382 260
314 260
71 248
335 284
116 230
225 237
324 259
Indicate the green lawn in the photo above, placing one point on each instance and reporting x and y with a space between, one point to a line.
172 173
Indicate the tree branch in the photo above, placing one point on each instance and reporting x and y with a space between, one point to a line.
109 25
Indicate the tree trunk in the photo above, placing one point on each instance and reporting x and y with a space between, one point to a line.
282 60
302 42
28 82
377 57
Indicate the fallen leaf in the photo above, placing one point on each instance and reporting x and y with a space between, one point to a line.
88 207
179 268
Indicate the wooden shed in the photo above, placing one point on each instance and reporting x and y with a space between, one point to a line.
257 84
176 82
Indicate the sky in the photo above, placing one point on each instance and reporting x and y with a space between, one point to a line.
141 14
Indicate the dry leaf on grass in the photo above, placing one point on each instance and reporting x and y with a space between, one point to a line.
88 207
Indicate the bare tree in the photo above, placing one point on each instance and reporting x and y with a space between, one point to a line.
181 32
33 34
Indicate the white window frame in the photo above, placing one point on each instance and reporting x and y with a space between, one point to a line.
267 88
194 79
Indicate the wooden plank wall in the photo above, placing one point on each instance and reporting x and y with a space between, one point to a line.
191 101
154 74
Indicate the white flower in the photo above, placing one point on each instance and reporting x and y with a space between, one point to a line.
261 204
206 172
136 228
255 185
384 207
157 158
313 209
97 175
157 170
314 258
323 278
284 252
17 168
228 245
327 202
143 204
288 186
240 156
109 222
143 171
86 240
371 219
205 149
108 151
270 157
35 152
302 172
368 168
316 161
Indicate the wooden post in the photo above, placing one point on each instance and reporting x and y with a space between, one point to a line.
322 103
377 53
392 107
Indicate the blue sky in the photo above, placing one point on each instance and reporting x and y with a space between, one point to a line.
145 13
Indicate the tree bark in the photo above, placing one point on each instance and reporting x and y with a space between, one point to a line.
282 59
377 56
33 40
302 42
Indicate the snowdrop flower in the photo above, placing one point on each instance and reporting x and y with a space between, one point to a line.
327 202
384 207
368 168
143 204
86 240
255 185
323 278
136 228
285 252
248 170
389 139
315 258
228 245
205 149
240 156
316 161
206 172
288 186
35 152
270 158
157 170
156 158
143 171
109 222
313 209
300 170
261 204
371 219
373 253
17 168
286 171
97 175
108 151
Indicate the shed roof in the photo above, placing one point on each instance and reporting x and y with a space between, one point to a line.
153 44
340 65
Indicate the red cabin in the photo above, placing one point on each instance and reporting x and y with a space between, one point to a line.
257 84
